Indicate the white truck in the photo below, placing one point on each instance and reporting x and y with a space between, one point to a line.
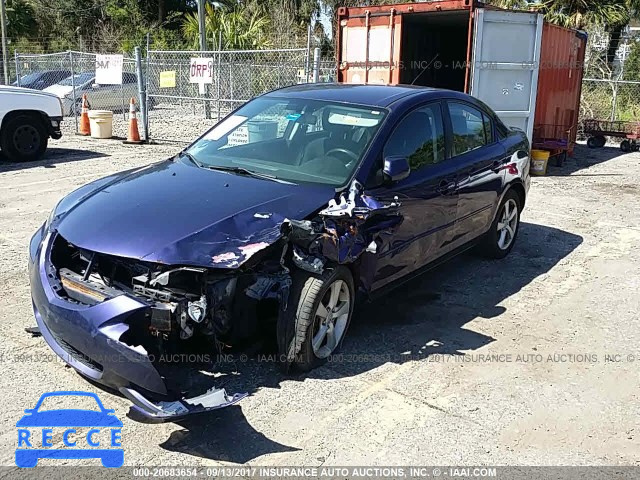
27 119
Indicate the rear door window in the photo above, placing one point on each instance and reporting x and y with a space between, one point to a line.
468 128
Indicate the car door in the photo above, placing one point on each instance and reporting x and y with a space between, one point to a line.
427 197
478 157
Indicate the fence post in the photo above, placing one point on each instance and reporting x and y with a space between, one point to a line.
141 92
218 78
146 89
316 65
615 101
18 82
73 89
308 59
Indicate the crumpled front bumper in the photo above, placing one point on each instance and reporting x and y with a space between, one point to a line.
87 338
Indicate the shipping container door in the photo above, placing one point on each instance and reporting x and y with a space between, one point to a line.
506 59
370 48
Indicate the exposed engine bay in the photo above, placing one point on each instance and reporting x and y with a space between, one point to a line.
238 300
227 307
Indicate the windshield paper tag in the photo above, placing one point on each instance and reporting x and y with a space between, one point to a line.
224 127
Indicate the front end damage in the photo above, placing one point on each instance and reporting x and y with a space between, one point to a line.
117 320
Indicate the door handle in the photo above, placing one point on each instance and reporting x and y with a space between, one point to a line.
496 165
445 187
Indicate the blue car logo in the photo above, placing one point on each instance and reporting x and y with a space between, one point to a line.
103 429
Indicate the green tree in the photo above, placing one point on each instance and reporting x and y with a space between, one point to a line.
238 28
573 13
613 15
632 64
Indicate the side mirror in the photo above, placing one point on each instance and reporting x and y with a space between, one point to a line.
95 85
396 168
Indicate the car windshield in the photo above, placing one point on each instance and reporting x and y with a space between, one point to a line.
296 140
78 79
29 78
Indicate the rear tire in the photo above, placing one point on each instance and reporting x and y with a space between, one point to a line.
501 237
308 317
23 138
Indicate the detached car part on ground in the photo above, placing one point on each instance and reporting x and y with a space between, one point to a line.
27 119
270 225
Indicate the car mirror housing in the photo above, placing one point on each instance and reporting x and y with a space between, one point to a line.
396 168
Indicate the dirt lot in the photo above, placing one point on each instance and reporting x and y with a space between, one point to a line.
476 363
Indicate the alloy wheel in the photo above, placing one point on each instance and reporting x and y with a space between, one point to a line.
331 318
508 224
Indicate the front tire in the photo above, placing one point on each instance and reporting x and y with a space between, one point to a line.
501 237
23 138
317 317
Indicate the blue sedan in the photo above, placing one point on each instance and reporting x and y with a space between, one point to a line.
272 223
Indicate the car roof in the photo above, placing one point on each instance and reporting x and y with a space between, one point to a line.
68 393
373 95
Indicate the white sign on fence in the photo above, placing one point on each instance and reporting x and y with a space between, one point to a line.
109 69
201 70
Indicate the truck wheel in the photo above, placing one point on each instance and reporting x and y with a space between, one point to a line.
625 146
317 317
23 138
598 141
499 240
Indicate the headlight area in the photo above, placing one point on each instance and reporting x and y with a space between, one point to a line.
191 309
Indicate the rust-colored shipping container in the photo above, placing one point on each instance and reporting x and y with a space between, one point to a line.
559 85
512 60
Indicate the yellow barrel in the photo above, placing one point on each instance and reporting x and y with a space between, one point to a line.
539 161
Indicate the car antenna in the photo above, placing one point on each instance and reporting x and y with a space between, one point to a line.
425 69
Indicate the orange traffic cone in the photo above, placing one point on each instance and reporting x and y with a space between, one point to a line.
133 136
84 127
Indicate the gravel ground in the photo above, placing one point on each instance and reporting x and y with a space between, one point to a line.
477 362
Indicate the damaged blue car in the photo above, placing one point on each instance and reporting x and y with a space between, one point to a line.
271 223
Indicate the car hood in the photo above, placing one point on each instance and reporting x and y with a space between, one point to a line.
60 90
25 91
175 213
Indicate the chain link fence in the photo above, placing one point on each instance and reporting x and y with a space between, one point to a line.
180 110
70 75
177 109
327 71
609 100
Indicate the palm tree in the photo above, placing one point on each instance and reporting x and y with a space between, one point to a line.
613 15
191 25
239 29
574 13
632 9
